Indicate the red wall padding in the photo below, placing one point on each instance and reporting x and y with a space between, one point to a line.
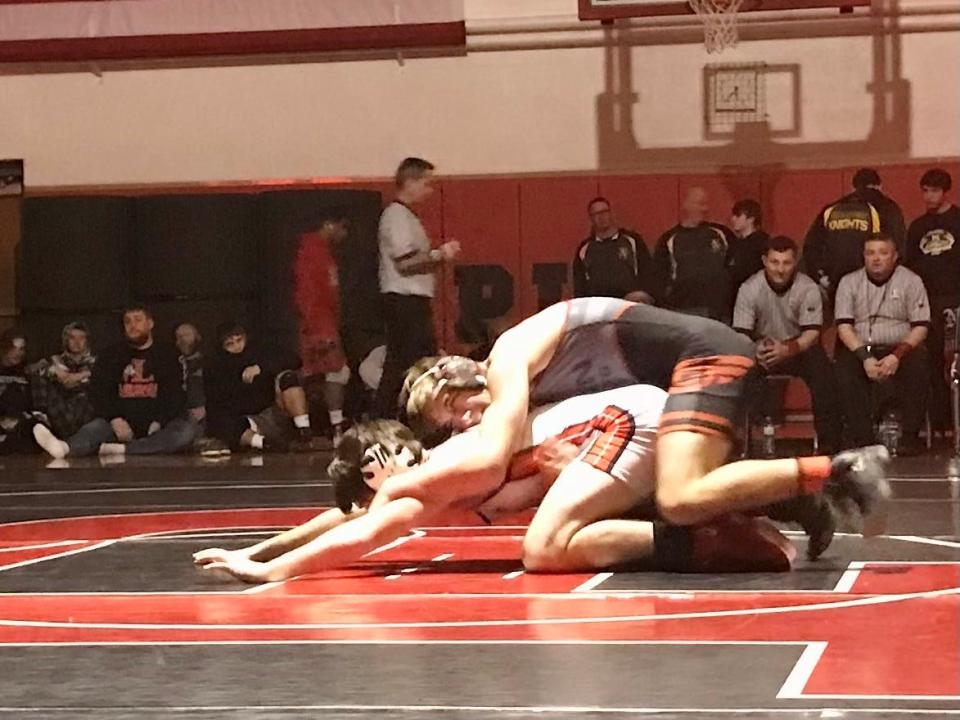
484 215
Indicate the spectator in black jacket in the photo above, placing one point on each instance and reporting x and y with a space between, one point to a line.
750 243
834 242
137 392
254 397
612 261
692 261
933 252
16 400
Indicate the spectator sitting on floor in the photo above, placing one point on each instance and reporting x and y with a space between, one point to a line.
187 339
782 310
882 315
61 383
254 398
16 402
137 391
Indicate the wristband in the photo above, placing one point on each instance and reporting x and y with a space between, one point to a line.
793 347
862 353
901 349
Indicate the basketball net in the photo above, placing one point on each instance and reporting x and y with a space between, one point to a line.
719 22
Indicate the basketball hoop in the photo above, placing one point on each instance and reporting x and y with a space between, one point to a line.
719 22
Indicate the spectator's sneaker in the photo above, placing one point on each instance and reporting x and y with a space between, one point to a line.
54 446
212 447
860 476
814 513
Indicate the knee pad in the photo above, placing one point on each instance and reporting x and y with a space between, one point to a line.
340 377
288 379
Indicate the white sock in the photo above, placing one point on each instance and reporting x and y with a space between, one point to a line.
301 421
257 441
336 417
113 449
54 446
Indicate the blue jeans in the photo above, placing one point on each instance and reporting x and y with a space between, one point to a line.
176 436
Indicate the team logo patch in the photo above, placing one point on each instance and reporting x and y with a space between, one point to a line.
936 242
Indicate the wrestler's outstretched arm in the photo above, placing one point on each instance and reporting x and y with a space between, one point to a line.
518 355
339 546
283 542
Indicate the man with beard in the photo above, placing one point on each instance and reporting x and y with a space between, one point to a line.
137 391
781 310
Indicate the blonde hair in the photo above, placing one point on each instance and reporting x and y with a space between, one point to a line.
420 386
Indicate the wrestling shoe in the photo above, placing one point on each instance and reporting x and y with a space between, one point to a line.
814 513
860 477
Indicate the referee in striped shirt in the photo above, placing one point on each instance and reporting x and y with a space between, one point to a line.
882 315
782 311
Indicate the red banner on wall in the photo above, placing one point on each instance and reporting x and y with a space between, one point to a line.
76 30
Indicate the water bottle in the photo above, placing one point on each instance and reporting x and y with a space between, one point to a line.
890 432
768 447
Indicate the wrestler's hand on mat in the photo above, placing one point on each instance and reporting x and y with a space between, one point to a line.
213 555
553 455
241 568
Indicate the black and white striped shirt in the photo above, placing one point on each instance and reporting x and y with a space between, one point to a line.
762 312
882 314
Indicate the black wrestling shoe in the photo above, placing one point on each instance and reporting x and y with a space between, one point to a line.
860 477
814 513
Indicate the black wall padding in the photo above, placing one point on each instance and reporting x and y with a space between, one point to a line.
288 215
73 254
195 247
